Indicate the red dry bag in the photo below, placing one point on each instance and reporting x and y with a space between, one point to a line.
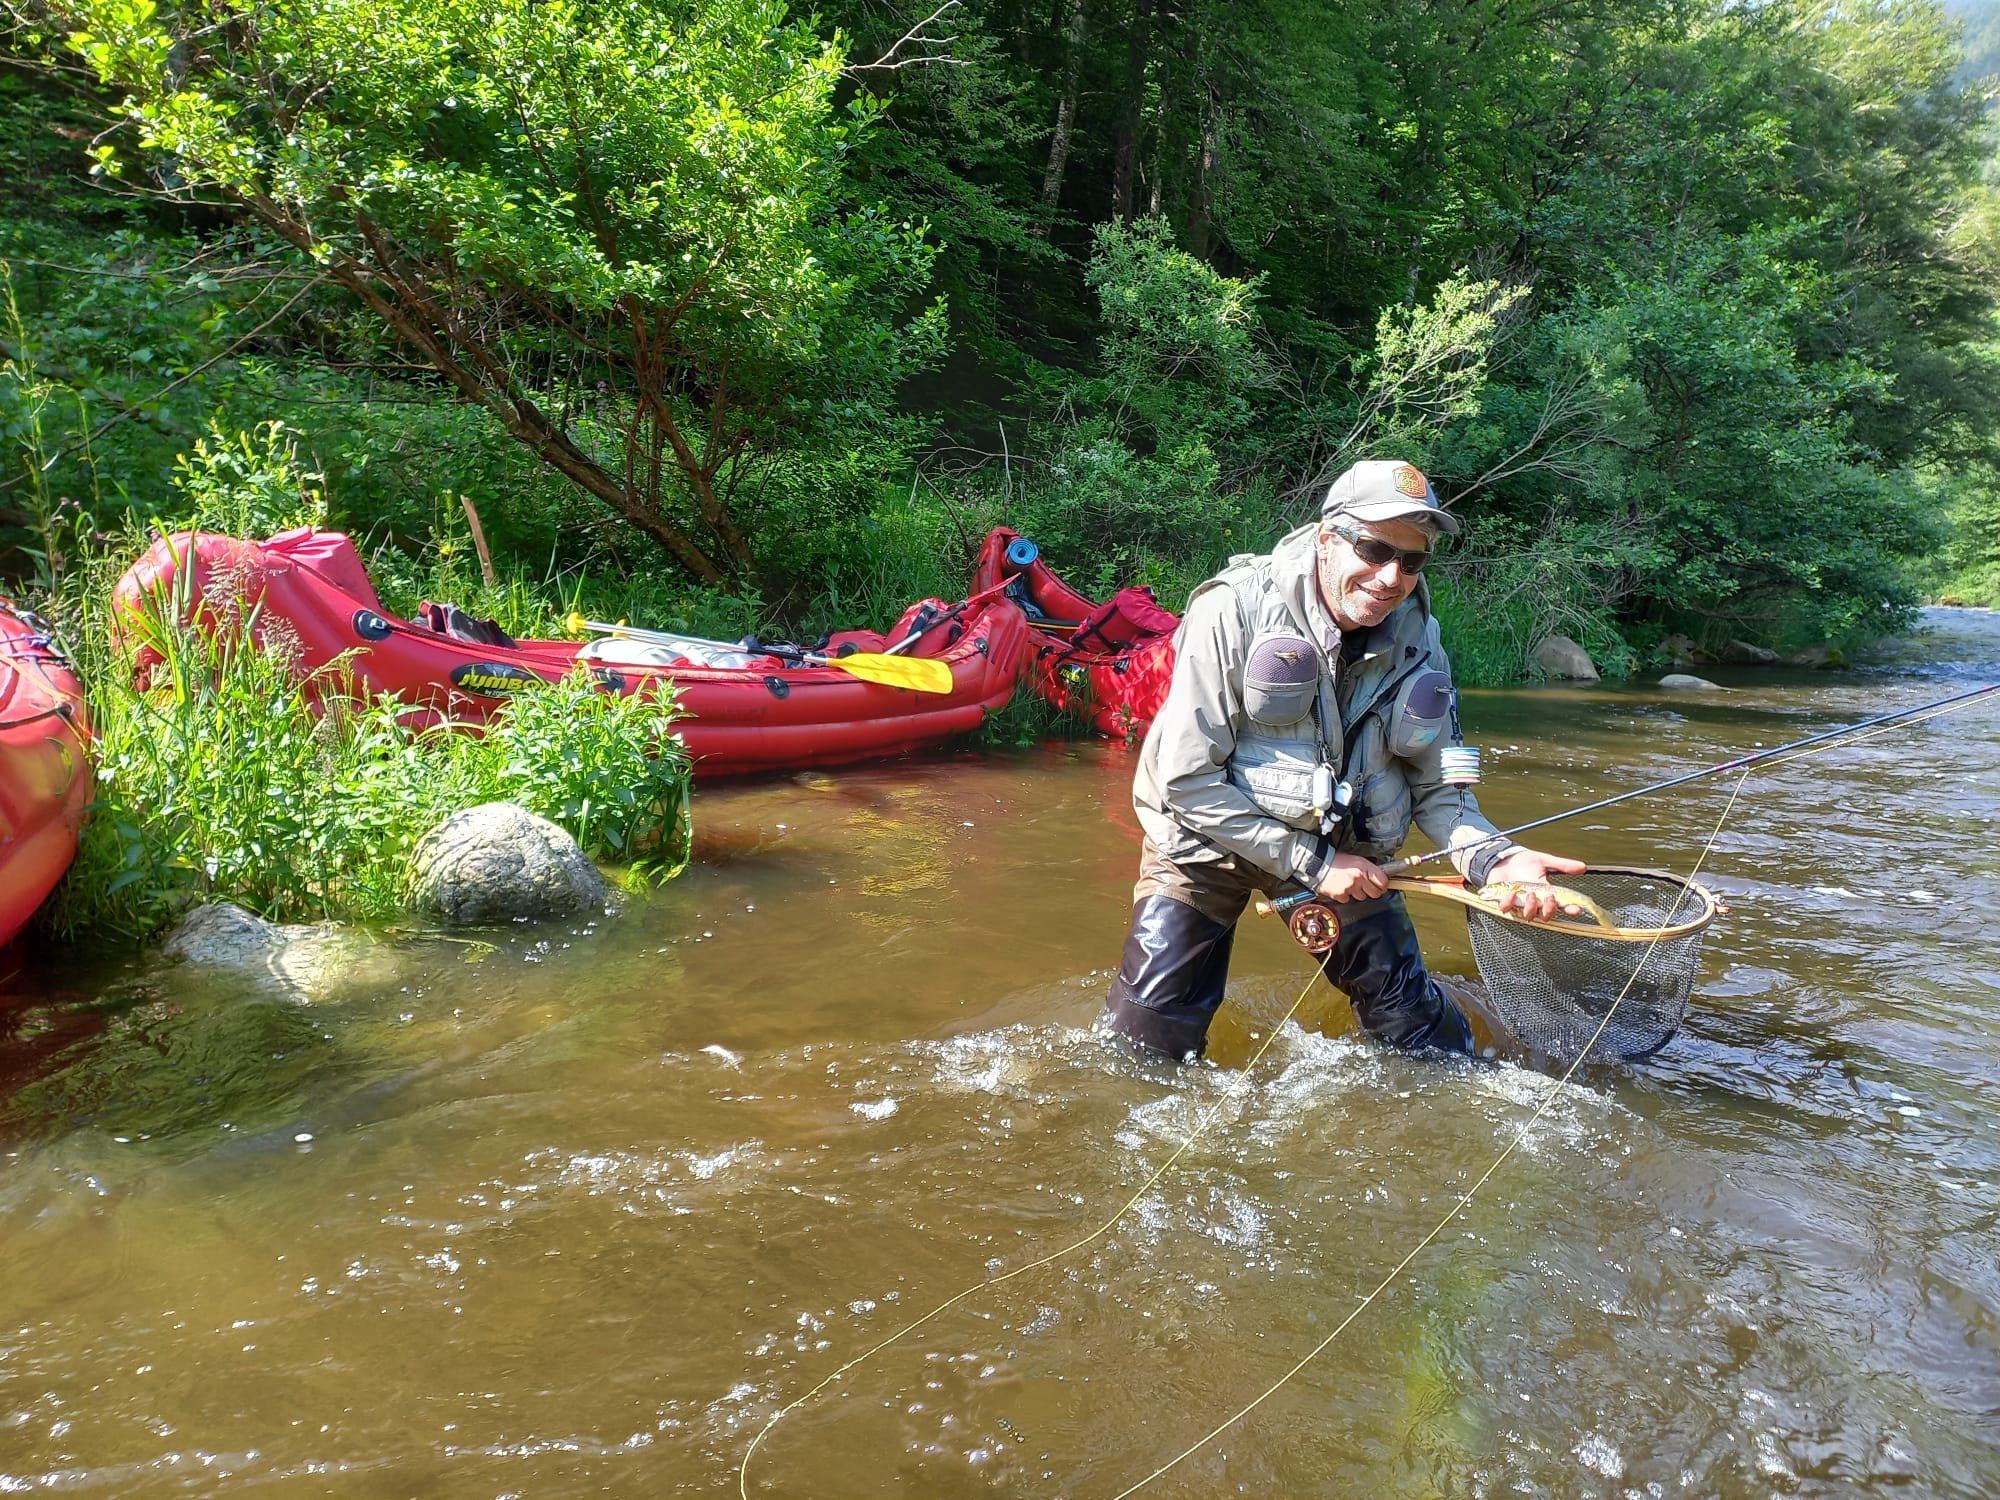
1129 615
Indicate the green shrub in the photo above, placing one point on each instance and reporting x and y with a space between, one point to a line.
231 776
247 484
1523 584
605 766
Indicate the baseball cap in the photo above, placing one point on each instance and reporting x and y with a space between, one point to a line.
1387 489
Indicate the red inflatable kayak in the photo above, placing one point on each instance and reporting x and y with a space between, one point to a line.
45 781
1109 662
308 591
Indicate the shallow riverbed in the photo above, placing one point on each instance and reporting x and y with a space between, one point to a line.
579 1210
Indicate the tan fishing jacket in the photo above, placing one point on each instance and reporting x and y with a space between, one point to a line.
1228 766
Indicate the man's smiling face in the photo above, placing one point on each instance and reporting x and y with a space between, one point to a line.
1357 595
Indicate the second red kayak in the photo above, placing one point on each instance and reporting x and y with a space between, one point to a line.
747 711
1108 662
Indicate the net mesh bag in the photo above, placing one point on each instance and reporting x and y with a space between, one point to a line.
1553 984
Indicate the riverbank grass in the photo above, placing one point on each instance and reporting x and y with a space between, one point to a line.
231 775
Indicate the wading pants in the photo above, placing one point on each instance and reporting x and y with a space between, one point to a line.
1176 961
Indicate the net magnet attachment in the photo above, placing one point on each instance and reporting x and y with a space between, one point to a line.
1460 765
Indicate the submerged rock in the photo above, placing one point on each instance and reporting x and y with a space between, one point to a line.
296 961
1687 682
500 863
1559 656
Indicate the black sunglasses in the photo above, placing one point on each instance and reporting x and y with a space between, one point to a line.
1374 551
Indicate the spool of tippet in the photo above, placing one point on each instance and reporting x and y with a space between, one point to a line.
1460 764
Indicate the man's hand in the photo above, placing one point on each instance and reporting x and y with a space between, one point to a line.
1528 870
1352 878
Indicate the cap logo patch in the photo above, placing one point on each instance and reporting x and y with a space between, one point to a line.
1411 482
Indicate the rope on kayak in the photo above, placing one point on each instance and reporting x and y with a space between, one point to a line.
1201 1126
61 711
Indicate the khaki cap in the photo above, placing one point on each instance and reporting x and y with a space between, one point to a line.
1387 489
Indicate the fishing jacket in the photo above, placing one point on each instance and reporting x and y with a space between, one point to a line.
1228 766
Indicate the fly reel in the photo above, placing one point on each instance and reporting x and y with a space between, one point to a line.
1313 924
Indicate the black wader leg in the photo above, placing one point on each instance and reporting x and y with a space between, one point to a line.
1171 979
1379 967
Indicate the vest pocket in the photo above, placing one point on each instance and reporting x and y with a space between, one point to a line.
1280 679
1277 775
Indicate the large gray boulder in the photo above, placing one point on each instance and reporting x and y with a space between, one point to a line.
500 863
1559 656
1746 655
300 961
1689 683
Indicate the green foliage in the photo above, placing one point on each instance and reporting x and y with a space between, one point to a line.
246 485
1981 20
1529 582
1179 346
622 230
1715 282
605 766
1027 719
230 775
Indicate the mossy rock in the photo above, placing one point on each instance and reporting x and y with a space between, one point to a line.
500 863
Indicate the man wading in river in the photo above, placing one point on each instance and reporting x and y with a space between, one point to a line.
1299 740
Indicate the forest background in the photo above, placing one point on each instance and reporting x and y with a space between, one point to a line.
726 316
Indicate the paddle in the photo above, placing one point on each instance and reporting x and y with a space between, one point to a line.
924 624
922 674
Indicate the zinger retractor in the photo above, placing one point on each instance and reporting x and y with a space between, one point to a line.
1313 923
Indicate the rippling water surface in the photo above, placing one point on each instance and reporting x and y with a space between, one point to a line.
577 1212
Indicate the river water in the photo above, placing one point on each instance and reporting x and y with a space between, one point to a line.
578 1211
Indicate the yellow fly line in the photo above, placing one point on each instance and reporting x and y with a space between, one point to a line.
1395 1273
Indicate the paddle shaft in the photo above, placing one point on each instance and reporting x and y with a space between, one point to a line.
920 674
1397 867
952 613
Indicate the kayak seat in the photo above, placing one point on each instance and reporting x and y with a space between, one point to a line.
451 621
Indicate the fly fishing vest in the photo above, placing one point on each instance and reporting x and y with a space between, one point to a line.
1316 745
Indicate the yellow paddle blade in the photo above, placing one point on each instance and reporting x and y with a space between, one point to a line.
924 673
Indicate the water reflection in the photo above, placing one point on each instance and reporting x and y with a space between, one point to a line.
581 1215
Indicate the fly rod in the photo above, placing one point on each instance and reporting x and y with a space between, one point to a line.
1397 867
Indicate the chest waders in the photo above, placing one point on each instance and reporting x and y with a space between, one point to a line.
1175 966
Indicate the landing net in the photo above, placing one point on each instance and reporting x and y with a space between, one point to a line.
1554 984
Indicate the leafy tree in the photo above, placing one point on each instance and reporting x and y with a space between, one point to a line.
622 228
